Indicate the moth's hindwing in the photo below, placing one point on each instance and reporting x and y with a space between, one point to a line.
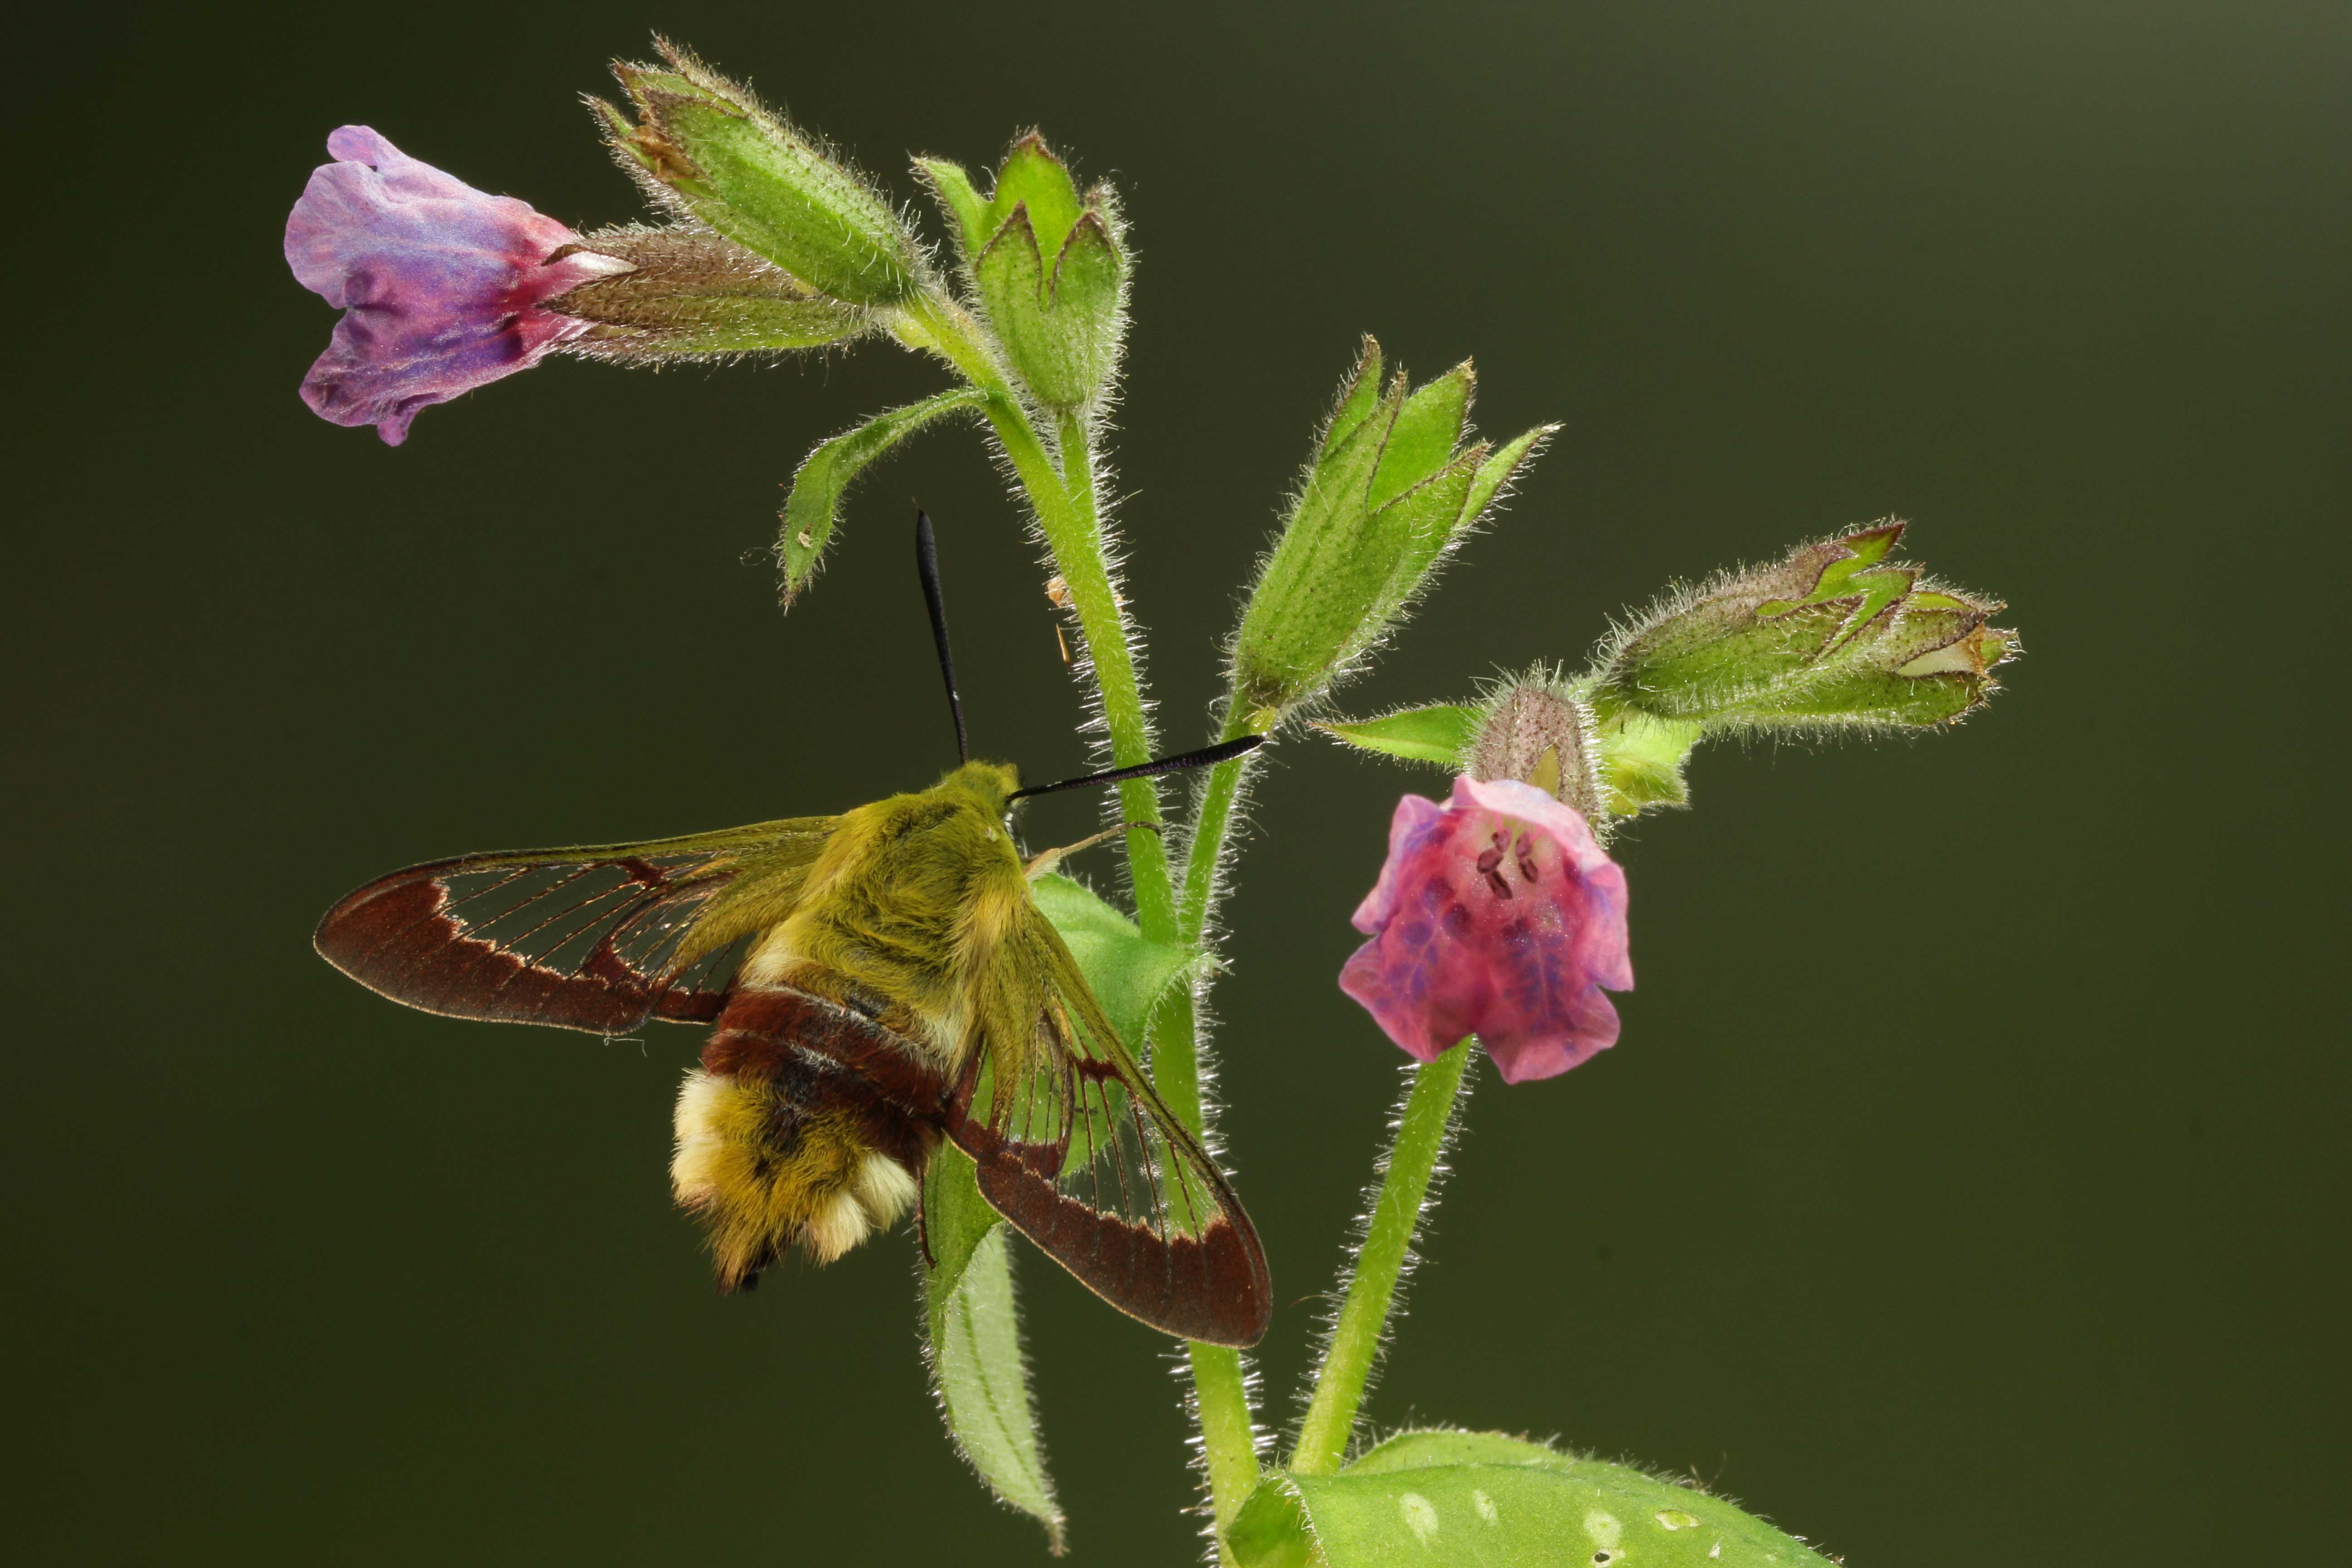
600 937
1078 1153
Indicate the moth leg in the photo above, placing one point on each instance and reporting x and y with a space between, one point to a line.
1045 862
923 1221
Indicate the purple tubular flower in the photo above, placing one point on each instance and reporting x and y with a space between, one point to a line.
440 285
1498 915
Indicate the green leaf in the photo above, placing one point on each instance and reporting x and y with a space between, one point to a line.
826 474
974 1319
974 1325
1129 973
1479 1499
1438 733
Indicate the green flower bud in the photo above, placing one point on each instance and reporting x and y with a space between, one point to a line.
689 293
1389 493
1048 266
1834 634
704 146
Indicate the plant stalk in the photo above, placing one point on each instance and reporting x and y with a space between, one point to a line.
1396 1215
1063 497
1067 512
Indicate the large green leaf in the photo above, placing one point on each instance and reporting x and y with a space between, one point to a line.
974 1319
1129 973
826 474
974 1323
1479 1499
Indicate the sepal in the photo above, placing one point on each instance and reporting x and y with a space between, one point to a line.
689 293
1836 633
1390 492
707 147
1049 266
1536 731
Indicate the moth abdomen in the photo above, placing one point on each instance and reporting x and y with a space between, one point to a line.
803 1127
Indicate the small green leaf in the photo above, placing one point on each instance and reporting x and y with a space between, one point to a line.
1479 1499
1129 973
955 1218
1438 733
974 1323
827 473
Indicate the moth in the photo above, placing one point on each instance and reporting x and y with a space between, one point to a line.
878 983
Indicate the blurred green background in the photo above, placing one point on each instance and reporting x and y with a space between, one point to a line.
1971 1184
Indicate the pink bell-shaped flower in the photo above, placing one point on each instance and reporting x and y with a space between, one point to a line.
1498 915
441 286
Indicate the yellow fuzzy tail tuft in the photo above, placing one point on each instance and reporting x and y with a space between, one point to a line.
764 1176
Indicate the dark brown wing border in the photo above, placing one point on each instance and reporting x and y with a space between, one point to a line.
581 944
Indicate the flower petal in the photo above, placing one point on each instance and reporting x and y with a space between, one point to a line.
1498 914
441 284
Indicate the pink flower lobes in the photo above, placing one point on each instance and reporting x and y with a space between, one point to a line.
1499 915
440 285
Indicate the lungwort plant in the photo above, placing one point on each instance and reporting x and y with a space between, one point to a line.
914 1018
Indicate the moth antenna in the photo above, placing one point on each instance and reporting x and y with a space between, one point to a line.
927 564
1224 751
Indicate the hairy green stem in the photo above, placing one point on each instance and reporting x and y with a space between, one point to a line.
1396 1215
1067 512
1063 496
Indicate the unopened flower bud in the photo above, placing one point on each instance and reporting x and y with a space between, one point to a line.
688 292
1391 492
1049 266
1835 634
707 147
1534 732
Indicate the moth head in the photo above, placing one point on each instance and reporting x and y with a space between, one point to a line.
989 786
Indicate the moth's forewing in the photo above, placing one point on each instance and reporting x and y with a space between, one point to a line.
600 937
1077 1153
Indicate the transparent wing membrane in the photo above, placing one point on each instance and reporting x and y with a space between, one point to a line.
598 939
1076 1149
